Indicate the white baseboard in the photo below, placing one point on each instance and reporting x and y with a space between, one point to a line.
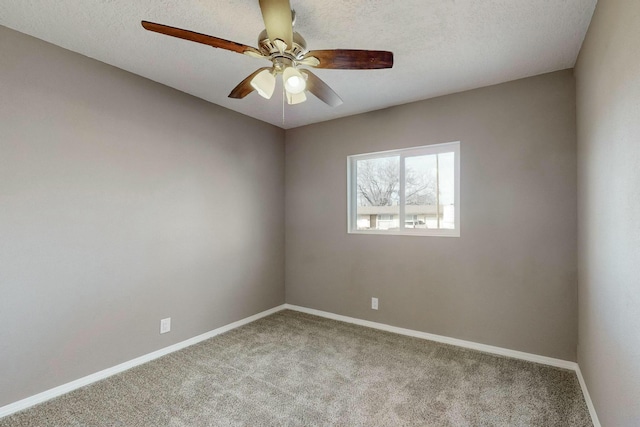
550 361
81 382
587 398
558 363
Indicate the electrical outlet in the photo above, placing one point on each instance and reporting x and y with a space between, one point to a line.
165 325
374 303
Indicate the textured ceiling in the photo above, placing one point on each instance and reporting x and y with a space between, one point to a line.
440 46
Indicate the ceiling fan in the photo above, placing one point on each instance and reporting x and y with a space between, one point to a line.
287 51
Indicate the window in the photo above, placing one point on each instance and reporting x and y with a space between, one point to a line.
414 191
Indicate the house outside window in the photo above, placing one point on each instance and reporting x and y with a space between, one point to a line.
413 191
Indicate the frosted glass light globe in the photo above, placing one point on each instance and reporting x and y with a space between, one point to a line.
294 83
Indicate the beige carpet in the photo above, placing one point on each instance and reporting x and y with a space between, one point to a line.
293 369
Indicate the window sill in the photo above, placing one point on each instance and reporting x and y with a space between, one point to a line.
417 233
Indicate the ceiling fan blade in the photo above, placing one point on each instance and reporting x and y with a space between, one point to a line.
278 20
352 59
244 88
321 90
199 38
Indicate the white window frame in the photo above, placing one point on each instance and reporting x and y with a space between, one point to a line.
352 192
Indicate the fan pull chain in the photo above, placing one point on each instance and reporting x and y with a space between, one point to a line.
283 96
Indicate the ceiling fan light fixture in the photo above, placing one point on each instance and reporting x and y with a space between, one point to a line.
264 83
294 81
296 98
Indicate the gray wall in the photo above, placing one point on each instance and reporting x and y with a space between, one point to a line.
122 202
608 112
510 279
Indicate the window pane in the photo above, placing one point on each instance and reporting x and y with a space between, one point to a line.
378 198
429 191
421 192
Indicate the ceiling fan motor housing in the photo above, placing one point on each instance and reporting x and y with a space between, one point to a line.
269 49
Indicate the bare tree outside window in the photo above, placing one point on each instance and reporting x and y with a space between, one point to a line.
421 186
379 182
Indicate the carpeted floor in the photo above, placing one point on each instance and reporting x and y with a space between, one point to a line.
293 369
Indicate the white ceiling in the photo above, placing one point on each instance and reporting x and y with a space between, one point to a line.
439 46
